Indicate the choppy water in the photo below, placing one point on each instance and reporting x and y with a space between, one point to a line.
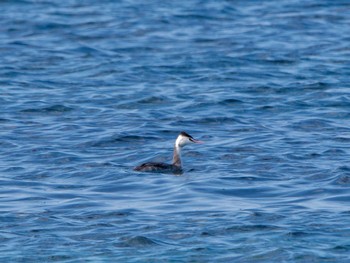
90 89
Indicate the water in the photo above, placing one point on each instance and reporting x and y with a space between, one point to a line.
89 90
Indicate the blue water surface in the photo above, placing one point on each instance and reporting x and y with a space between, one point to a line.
89 89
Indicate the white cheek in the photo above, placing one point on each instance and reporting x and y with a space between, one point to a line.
180 142
185 141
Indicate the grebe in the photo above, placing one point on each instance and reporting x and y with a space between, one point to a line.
182 140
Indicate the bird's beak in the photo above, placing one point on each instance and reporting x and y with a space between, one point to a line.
196 141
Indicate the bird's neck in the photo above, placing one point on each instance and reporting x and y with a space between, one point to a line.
177 156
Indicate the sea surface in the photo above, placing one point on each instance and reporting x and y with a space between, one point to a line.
90 89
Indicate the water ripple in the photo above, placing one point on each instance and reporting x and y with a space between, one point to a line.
89 90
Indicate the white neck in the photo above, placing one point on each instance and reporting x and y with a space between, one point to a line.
177 156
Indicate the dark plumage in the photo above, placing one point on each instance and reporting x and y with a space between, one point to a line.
158 167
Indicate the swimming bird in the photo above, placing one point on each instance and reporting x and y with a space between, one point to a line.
182 139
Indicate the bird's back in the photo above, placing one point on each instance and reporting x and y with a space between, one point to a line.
158 167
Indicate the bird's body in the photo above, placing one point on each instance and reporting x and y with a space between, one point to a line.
176 166
158 167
